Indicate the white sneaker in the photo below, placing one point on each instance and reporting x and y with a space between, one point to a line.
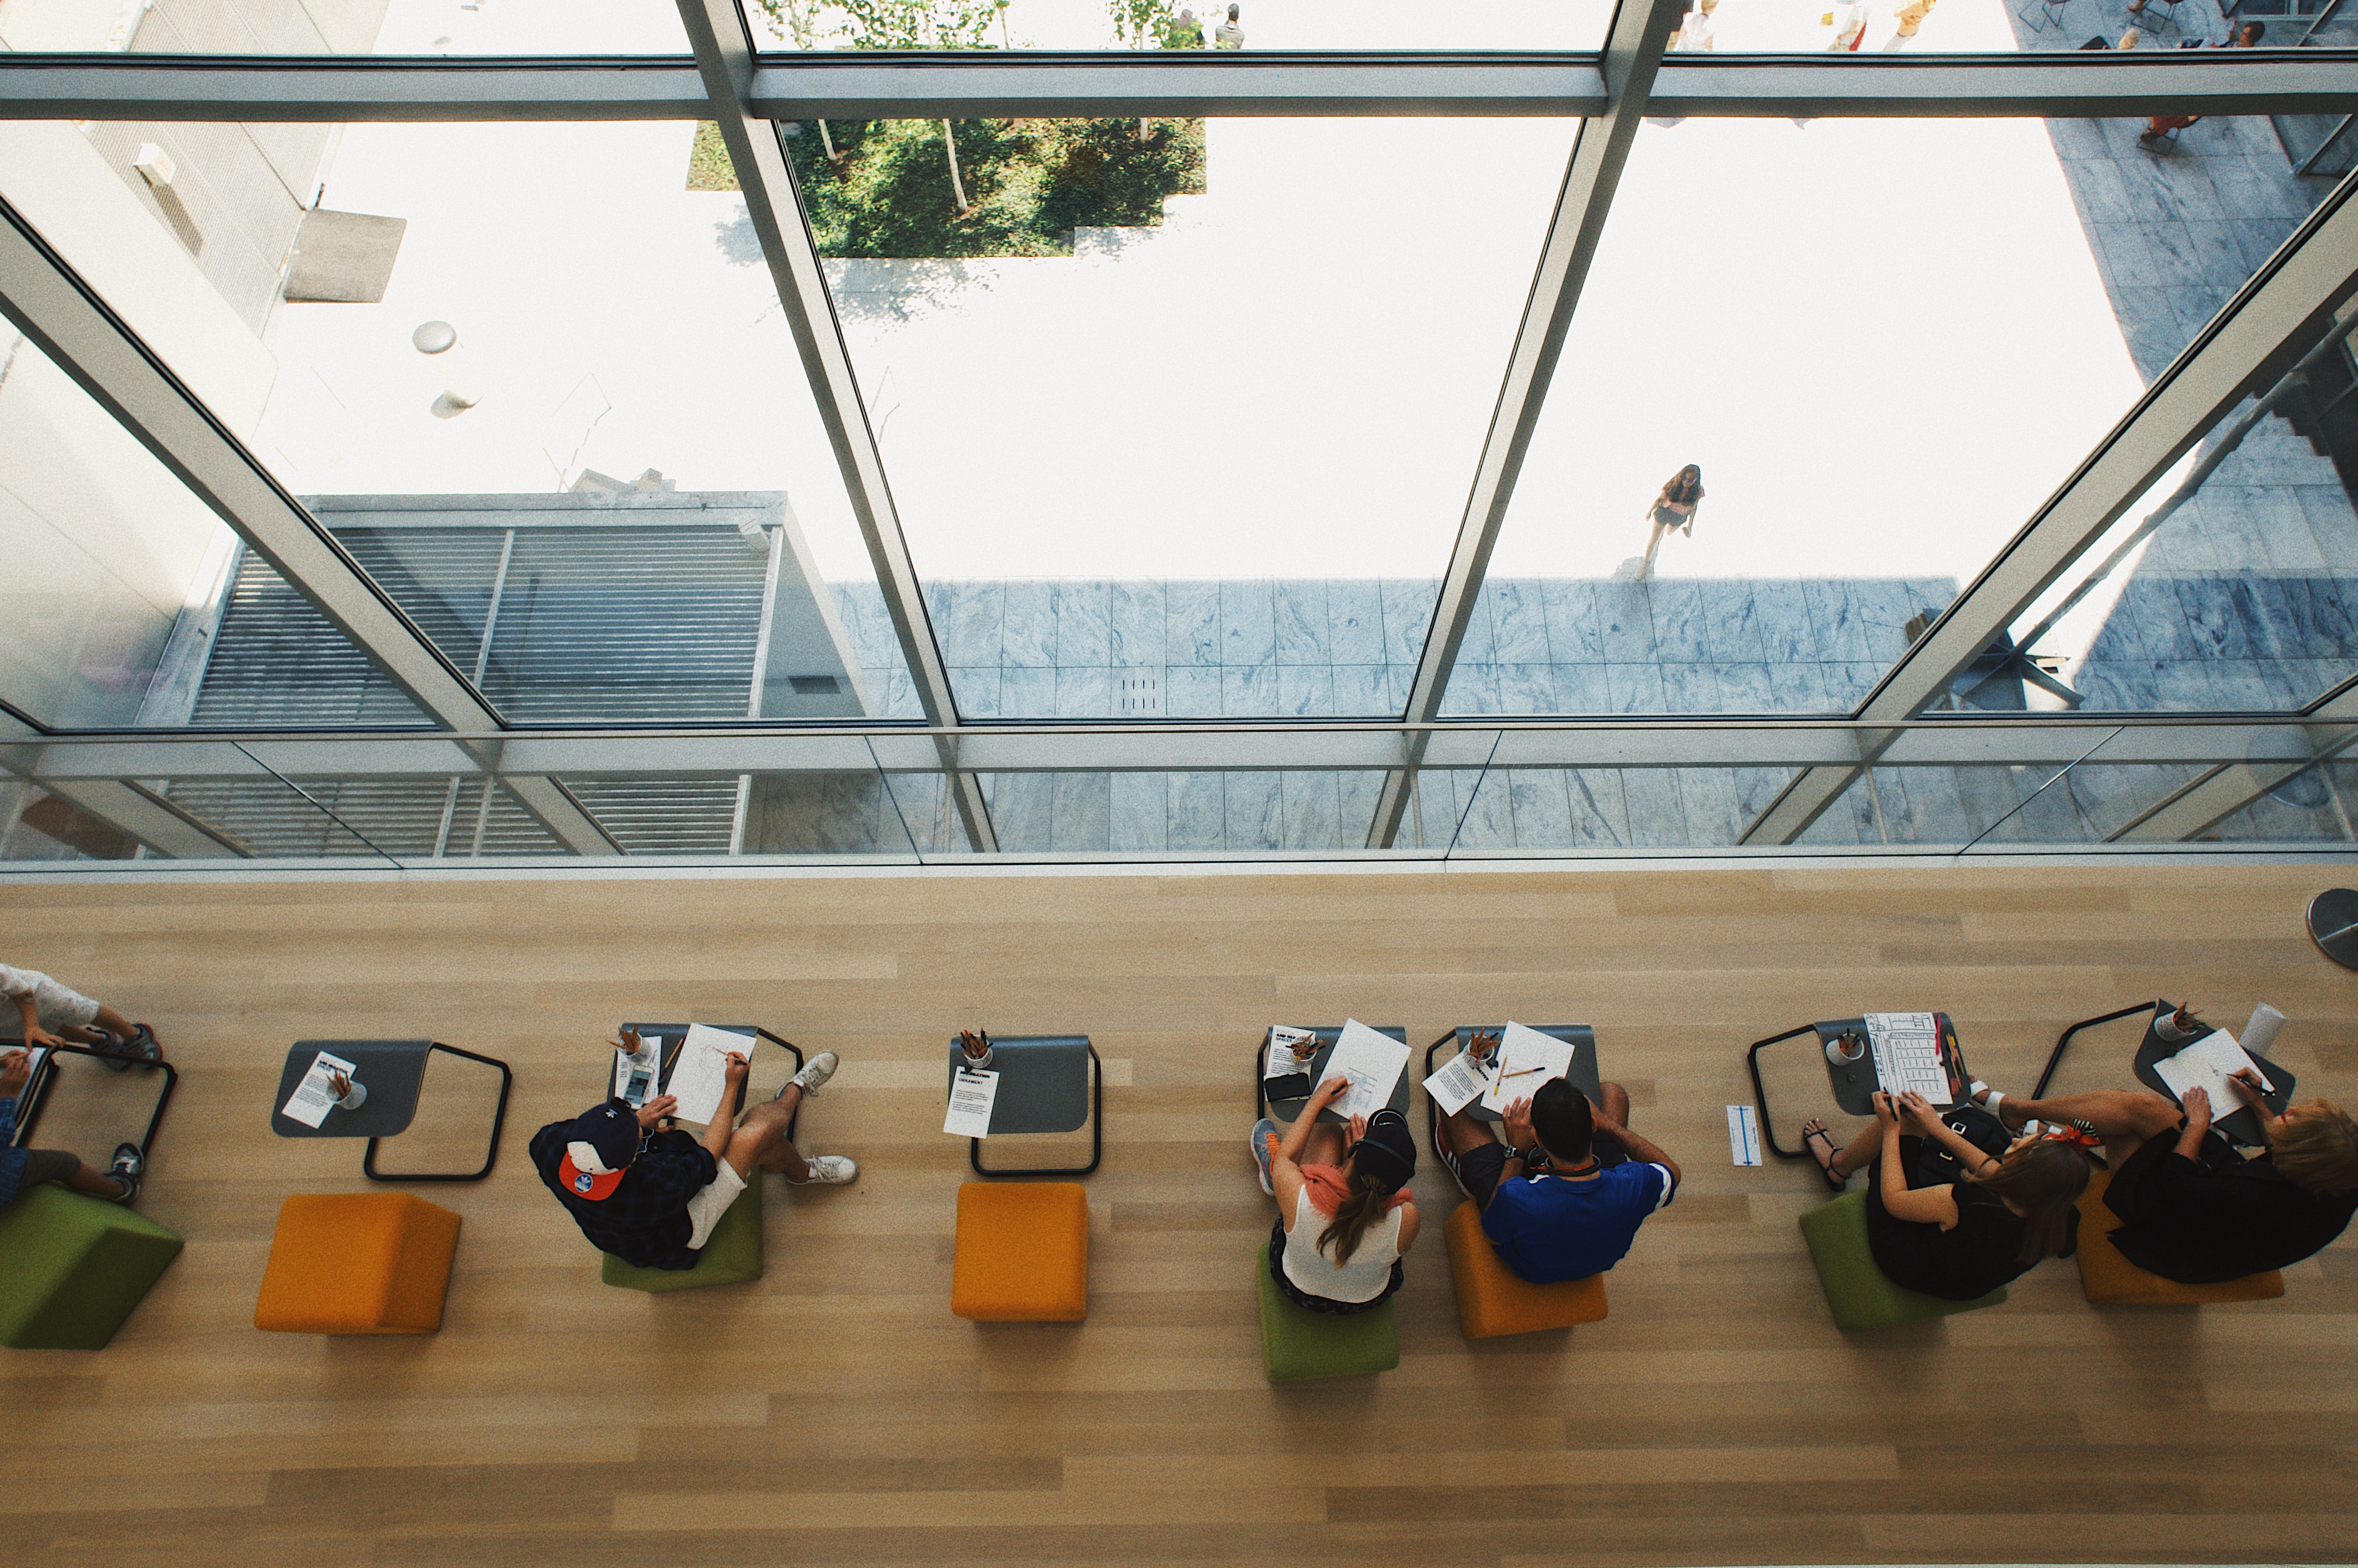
827 1170
816 1071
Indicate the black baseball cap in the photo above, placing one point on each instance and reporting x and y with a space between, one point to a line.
1387 1152
598 1147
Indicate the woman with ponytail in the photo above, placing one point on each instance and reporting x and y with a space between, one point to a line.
1344 1221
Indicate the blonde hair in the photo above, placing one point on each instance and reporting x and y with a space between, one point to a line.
2043 1178
2316 1148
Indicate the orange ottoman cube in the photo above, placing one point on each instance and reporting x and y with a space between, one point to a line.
1493 1299
2108 1279
357 1263
1022 1253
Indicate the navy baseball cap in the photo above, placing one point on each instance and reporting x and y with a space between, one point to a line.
600 1146
1387 1152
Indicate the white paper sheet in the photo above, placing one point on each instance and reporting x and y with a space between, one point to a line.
972 1095
1282 1062
2207 1064
1744 1134
1373 1061
699 1078
1460 1079
314 1098
1527 1059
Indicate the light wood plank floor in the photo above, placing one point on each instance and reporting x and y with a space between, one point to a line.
836 1412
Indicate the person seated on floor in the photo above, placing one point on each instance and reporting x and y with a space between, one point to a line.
2192 1208
57 1014
1344 1219
651 1197
1946 1217
25 1168
1564 1197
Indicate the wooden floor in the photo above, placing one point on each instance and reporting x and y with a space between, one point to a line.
836 1412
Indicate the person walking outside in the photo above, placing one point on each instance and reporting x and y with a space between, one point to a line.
1673 508
1228 34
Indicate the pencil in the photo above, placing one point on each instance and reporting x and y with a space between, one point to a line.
1519 1072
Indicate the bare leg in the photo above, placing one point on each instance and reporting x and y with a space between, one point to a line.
113 1022
96 1182
1847 1162
1324 1148
761 1138
1465 1134
1616 1101
1653 542
2114 1115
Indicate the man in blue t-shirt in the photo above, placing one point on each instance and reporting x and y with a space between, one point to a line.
1564 1197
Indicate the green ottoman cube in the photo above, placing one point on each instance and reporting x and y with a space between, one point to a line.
732 1255
1299 1342
1857 1290
72 1266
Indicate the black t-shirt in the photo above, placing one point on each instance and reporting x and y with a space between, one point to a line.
2217 1217
1981 1252
644 1221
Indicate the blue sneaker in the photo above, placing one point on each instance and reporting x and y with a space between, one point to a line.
1264 1148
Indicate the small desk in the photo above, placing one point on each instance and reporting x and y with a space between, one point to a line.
392 1071
1584 1074
1854 1086
1045 1086
35 1098
1289 1108
2241 1125
667 1035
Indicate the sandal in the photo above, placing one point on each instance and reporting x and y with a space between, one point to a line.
1826 1165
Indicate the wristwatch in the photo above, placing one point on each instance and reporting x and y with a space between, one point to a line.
1515 1153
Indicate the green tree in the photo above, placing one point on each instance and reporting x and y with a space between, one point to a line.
925 25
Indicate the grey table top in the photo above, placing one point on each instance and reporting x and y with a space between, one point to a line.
390 1070
1290 1107
1044 1082
1584 1074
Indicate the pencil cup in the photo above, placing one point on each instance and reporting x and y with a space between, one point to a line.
2175 1028
354 1100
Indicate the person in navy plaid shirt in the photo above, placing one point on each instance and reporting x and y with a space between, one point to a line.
651 1197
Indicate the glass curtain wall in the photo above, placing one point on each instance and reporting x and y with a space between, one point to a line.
1156 445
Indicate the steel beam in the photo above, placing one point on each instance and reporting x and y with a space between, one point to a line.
147 816
1633 50
724 54
556 809
2271 321
46 300
1123 84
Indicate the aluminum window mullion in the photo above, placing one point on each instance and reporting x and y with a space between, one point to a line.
1641 32
724 53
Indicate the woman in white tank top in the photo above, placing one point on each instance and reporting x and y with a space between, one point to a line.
1343 1219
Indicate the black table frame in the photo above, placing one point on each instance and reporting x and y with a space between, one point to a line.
36 1098
1760 1092
1097 1119
368 1154
2151 1048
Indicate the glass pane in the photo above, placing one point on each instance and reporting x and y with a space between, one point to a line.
344 26
686 815
38 826
1179 433
842 814
1958 27
1177 813
539 388
1471 811
1185 24
272 819
2232 584
1961 309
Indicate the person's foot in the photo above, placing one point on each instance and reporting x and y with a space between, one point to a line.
816 1071
114 1051
827 1170
1264 1149
1821 1145
129 1167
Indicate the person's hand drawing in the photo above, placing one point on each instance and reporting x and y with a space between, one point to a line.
1918 1114
1887 1114
16 1072
2248 1080
1330 1091
1517 1119
733 1067
656 1109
